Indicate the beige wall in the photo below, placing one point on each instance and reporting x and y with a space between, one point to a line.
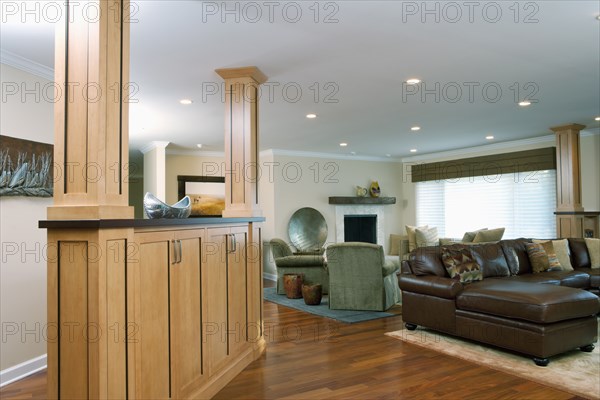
297 185
23 266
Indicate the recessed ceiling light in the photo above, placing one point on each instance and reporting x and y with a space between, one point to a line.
352 153
186 102
311 116
413 81
489 137
388 155
525 103
343 144
415 128
199 145
597 118
413 150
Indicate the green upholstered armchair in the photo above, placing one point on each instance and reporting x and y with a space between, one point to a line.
360 278
312 266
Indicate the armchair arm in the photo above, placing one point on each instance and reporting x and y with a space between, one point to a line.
430 285
389 267
299 261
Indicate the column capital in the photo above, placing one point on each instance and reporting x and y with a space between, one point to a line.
242 72
570 127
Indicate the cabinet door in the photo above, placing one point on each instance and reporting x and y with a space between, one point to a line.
187 370
214 285
237 277
151 315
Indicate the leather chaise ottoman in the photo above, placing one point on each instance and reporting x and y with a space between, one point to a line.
543 320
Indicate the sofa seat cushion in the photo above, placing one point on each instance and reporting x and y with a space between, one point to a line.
544 277
527 301
594 275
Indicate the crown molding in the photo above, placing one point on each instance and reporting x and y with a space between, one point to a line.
549 140
330 156
195 153
25 64
154 145
590 132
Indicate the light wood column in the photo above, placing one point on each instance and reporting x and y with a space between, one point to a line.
568 180
91 116
242 173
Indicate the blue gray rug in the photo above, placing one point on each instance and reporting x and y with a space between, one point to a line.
322 310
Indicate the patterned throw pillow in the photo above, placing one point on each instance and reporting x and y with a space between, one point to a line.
561 249
542 256
460 264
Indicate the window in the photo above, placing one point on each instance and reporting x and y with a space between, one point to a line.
523 203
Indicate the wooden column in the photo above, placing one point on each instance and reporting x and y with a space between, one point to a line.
91 117
87 268
241 141
568 181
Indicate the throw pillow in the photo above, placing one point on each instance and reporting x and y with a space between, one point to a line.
412 240
593 246
395 244
460 264
542 256
426 237
561 248
491 235
469 236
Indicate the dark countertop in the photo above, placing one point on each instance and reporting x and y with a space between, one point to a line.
140 223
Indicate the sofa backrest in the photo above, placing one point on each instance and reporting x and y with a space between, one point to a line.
428 260
580 258
515 252
491 258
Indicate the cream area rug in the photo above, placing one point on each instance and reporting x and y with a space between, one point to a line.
574 372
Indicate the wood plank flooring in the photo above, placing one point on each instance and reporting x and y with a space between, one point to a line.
310 357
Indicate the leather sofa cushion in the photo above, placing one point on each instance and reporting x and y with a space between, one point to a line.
594 275
515 252
580 257
491 258
427 261
527 301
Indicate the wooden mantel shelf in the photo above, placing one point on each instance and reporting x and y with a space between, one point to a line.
354 200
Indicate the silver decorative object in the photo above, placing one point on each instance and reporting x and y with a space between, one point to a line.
155 208
307 229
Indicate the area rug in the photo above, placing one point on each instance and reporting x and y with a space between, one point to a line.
322 310
574 372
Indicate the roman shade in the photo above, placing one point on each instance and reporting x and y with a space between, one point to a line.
492 165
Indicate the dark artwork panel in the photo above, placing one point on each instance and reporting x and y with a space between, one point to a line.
26 167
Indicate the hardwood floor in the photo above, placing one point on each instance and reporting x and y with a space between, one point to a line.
310 357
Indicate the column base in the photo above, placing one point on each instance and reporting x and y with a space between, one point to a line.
90 212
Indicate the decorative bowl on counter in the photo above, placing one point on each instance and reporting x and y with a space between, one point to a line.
155 208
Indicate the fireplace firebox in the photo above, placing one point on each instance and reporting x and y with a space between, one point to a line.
360 228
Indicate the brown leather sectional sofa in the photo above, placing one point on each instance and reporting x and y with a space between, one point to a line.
539 315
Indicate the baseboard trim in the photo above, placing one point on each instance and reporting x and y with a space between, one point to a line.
23 370
270 277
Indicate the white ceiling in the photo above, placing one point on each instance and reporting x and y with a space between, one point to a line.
364 57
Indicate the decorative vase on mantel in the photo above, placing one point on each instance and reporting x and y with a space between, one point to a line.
375 190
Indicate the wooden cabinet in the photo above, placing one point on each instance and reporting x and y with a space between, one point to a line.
180 302
194 316
226 299
168 314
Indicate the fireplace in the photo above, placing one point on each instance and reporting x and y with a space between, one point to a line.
359 210
360 228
